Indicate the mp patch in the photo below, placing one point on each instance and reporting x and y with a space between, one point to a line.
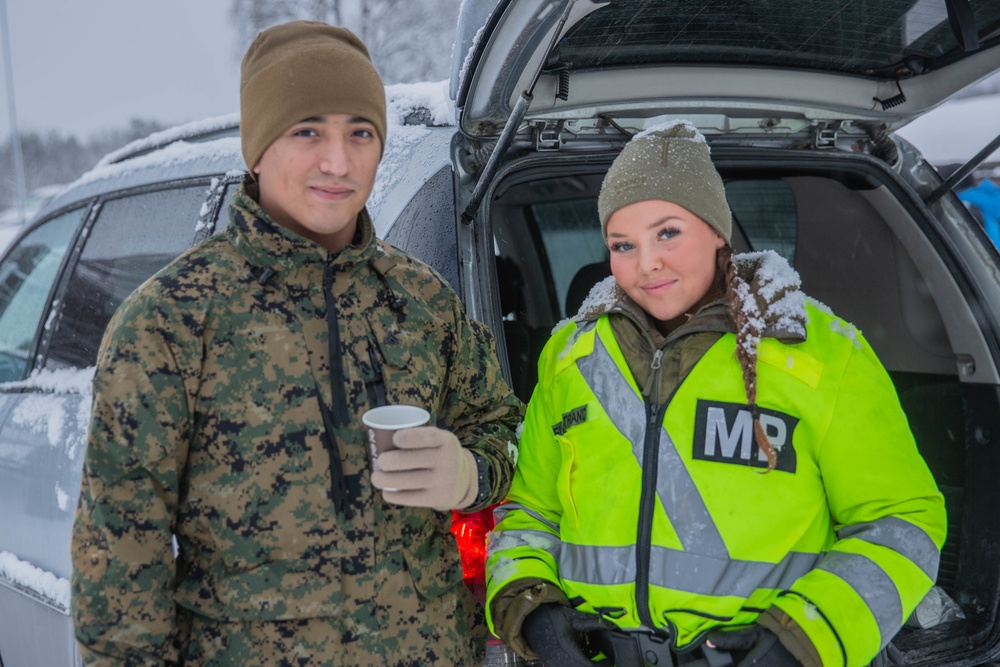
723 432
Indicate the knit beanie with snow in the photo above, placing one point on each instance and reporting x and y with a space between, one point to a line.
299 70
669 162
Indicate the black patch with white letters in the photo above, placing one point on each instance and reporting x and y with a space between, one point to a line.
723 432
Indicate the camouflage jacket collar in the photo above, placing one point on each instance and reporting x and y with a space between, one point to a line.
271 247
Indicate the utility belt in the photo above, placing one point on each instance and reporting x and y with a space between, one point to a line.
642 648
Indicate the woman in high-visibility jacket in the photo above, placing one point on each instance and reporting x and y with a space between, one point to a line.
710 461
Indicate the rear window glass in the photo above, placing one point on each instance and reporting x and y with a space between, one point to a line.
869 38
765 211
132 238
571 237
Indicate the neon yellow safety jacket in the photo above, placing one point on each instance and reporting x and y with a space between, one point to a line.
659 514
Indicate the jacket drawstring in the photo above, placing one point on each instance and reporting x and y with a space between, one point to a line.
397 303
376 387
337 481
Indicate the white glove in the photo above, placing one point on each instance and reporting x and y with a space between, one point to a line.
429 468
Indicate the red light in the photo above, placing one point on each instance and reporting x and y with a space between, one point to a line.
470 534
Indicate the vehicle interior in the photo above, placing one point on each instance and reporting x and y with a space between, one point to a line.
861 249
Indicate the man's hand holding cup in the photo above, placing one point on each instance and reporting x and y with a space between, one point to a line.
420 466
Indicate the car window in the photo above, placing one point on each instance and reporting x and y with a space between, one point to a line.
862 38
765 211
571 237
26 277
132 238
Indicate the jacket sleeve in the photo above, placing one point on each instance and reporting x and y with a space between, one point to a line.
481 407
123 559
524 543
889 516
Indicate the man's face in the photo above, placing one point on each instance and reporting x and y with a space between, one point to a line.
316 177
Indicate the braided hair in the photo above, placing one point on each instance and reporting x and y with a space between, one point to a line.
748 335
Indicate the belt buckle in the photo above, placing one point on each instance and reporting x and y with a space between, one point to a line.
654 649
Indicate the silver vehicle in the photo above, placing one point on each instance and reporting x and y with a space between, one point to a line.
799 101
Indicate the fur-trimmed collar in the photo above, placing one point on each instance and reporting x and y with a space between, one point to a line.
767 287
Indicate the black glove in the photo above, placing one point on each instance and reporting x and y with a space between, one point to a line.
558 634
767 651
742 639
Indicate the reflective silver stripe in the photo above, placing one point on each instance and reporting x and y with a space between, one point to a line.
512 539
500 511
681 570
602 566
872 585
707 576
684 505
676 490
902 537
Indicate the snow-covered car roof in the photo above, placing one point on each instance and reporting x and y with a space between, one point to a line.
212 146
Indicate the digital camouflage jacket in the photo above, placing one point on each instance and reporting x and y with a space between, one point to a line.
221 417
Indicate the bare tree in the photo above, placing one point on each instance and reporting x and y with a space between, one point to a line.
252 16
409 40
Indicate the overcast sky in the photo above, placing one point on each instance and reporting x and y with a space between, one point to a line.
81 66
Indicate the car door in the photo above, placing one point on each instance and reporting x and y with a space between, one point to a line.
62 283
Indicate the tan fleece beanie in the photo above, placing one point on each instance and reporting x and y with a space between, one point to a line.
669 162
302 69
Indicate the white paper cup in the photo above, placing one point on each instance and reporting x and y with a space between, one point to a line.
383 421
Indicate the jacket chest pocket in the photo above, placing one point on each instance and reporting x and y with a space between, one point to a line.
404 363
254 373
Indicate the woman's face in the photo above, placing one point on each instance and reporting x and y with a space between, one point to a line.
663 256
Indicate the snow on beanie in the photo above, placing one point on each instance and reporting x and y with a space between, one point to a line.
669 162
302 69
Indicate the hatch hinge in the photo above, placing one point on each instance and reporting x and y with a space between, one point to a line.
826 136
548 134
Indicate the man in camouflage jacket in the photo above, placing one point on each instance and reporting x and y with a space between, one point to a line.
228 512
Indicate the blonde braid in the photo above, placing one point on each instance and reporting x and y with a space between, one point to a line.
745 330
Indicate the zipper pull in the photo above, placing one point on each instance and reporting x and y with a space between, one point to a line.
657 358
